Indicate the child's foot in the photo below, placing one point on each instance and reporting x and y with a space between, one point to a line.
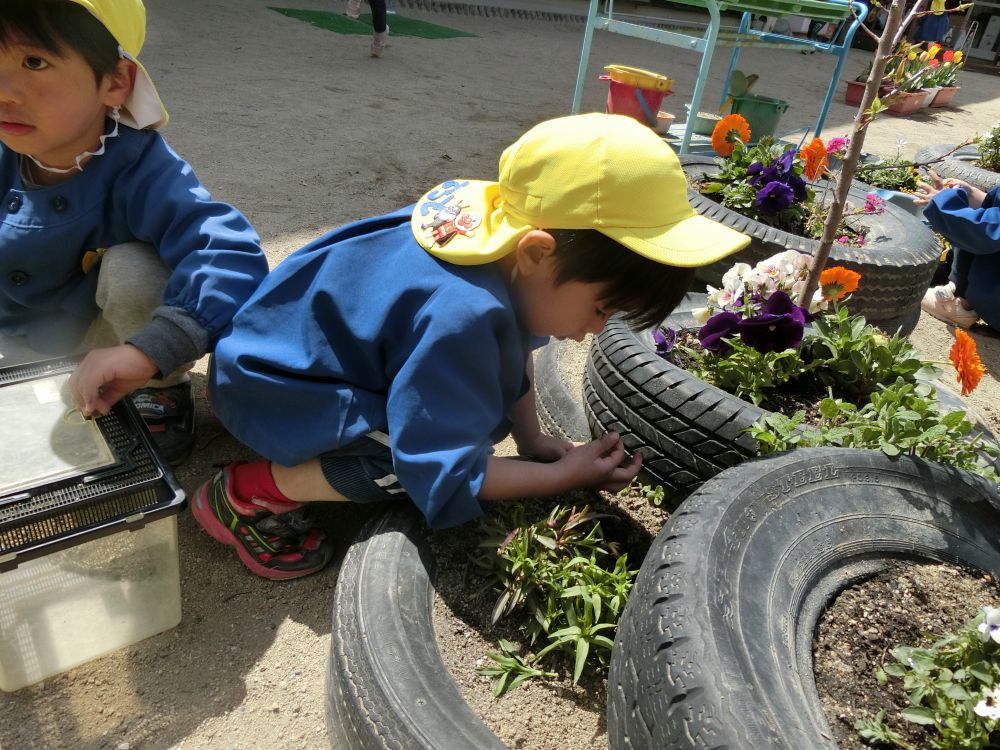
169 417
941 302
272 545
353 9
379 42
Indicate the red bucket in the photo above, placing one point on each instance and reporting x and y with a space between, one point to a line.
636 93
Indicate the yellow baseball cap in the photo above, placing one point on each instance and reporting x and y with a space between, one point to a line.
126 21
594 171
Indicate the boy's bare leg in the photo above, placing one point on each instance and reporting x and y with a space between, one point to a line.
305 483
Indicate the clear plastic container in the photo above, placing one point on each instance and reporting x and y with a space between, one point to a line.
71 606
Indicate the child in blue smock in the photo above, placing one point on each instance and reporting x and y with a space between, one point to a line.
385 359
969 219
109 244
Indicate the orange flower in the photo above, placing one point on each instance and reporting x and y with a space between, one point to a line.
726 131
837 282
948 56
966 360
814 155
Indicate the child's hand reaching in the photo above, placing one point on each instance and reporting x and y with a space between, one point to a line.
598 464
105 375
926 191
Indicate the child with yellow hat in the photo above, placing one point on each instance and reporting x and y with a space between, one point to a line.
109 244
384 359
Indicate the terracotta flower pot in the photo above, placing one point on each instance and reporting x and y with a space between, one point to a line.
944 96
856 90
907 102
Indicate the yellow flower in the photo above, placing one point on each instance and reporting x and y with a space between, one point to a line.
959 55
932 51
727 130
912 56
968 366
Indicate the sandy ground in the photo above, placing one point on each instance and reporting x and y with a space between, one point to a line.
303 131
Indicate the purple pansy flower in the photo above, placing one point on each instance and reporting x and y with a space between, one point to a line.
774 197
717 328
779 325
664 341
798 186
786 160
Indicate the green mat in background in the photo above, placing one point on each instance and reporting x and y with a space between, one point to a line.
398 26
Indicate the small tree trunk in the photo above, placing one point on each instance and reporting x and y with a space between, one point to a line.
886 44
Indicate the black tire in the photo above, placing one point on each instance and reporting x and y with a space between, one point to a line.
714 648
387 686
896 263
686 430
960 165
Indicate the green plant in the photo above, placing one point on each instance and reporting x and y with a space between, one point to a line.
952 687
989 149
510 669
653 494
889 174
846 353
900 418
550 572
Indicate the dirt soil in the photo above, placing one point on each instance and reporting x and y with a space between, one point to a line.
911 605
303 131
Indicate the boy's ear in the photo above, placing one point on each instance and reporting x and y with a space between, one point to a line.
117 85
532 250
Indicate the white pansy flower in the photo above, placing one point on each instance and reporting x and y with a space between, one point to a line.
990 626
989 706
733 278
701 315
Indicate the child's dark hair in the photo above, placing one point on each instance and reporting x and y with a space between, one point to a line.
54 25
644 291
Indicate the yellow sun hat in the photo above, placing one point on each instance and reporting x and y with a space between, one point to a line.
126 21
593 171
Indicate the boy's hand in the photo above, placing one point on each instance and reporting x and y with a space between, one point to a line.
598 464
544 447
105 375
926 191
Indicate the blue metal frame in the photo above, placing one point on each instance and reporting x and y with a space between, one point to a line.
705 44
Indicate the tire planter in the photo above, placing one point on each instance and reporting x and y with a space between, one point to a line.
714 648
387 686
896 263
960 165
559 404
686 429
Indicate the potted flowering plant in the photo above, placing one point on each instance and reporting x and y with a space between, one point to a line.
780 195
946 76
910 70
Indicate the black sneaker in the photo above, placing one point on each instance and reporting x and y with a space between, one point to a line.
169 417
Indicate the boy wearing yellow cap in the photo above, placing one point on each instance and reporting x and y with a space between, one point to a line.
109 244
386 358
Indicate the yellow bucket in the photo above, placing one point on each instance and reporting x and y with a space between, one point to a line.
639 78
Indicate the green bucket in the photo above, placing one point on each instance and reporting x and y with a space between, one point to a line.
761 112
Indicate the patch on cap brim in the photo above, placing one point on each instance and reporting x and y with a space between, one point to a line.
461 221
691 242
